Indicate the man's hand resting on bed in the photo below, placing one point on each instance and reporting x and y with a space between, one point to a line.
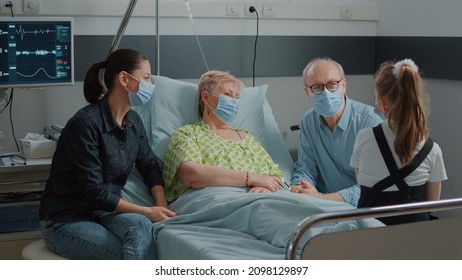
158 213
306 188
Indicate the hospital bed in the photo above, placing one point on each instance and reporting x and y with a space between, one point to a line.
203 229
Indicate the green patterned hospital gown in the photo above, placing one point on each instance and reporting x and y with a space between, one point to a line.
199 143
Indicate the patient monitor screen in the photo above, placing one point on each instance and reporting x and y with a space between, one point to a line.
36 52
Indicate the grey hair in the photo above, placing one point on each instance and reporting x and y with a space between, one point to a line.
314 61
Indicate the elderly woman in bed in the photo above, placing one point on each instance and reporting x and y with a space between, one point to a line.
210 153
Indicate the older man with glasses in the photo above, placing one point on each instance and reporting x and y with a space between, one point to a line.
327 136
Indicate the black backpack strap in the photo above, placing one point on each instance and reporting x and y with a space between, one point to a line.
408 169
418 159
389 160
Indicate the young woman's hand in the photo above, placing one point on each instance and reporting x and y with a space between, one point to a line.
159 213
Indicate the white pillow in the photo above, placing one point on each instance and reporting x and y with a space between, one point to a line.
175 103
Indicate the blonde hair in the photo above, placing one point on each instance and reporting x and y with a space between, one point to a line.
212 80
402 87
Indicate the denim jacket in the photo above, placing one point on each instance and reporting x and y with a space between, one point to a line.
92 161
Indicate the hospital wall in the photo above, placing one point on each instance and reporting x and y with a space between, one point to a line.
381 29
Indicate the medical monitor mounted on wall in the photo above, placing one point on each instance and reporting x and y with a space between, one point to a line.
36 52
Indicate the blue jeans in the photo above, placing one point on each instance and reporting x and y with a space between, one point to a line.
110 236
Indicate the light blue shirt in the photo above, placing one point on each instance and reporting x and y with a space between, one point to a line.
327 154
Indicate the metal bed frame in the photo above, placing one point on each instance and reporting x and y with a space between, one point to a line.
436 239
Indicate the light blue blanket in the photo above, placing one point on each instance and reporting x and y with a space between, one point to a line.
230 223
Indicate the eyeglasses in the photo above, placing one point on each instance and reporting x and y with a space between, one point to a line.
319 88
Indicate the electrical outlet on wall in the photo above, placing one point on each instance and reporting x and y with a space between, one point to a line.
4 9
268 10
247 11
346 12
31 6
233 9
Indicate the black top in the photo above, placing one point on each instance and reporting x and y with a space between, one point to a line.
92 161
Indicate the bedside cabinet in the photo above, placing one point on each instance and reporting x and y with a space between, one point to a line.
20 190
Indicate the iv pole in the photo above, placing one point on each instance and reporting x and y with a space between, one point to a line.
123 25
157 57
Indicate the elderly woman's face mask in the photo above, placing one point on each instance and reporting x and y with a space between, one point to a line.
226 109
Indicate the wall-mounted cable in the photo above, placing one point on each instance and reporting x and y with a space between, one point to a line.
9 4
11 119
4 97
9 102
253 10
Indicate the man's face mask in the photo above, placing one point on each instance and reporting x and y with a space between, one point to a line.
328 103
226 109
145 91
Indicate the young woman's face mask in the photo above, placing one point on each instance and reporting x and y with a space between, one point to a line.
144 93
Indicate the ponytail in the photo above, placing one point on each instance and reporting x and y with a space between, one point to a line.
119 60
402 87
93 88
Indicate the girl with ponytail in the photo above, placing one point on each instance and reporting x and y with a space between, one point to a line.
396 162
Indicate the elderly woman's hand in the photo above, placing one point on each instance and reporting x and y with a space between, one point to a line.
258 190
271 183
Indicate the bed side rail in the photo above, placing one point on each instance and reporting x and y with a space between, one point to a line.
362 213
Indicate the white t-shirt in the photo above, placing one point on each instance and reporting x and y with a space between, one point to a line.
372 168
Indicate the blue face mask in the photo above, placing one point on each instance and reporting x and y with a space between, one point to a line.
226 109
328 103
143 95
